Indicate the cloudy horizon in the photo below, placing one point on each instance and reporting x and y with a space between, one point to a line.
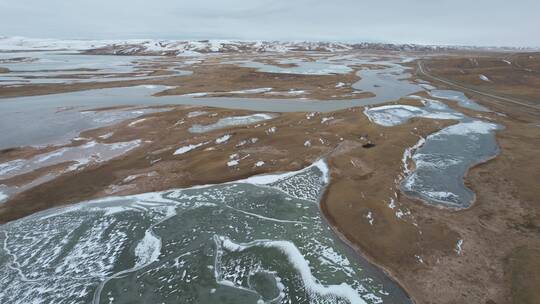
460 22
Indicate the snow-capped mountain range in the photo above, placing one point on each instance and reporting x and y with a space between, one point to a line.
179 48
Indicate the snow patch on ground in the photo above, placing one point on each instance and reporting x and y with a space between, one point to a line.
223 139
231 121
271 130
247 141
134 123
3 197
232 163
196 114
369 216
188 148
272 178
106 136
392 204
131 178
459 248
251 91
325 119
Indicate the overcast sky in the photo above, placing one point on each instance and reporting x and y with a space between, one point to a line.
473 22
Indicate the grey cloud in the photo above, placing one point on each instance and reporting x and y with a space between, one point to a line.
480 22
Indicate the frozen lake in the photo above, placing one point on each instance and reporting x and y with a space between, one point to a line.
251 241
